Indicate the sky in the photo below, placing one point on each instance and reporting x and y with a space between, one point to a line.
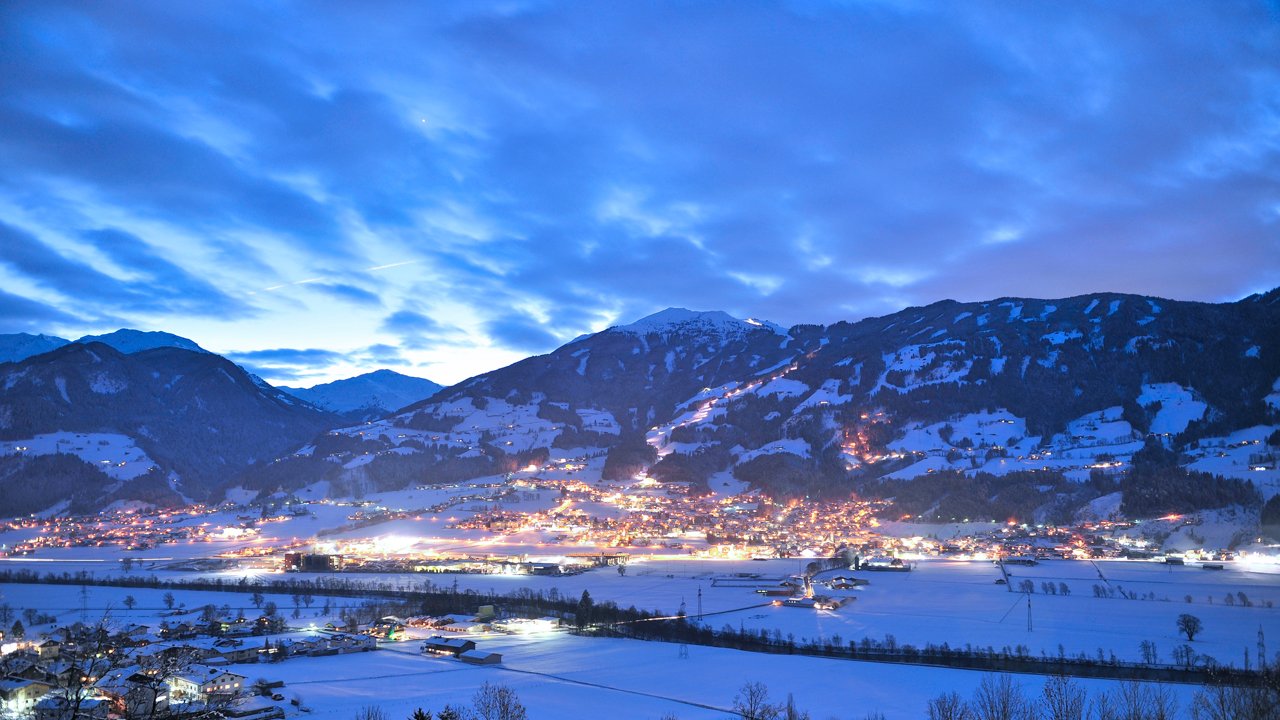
320 189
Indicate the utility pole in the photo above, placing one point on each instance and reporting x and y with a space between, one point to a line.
1262 650
1029 626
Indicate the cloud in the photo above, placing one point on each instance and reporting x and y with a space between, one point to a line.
19 314
350 293
164 279
539 171
522 332
287 364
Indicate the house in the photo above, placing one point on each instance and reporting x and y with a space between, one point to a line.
18 697
140 693
437 645
232 626
352 643
235 651
269 624
57 706
202 683
23 668
49 649
480 657
298 647
177 631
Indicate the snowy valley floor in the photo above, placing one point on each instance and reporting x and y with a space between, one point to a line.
561 676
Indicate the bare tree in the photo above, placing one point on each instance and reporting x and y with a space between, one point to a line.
1217 701
1185 655
791 712
1133 700
1190 626
498 702
149 695
752 703
1062 699
371 712
168 600
949 706
999 698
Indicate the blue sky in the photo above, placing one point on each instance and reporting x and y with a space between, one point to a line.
318 189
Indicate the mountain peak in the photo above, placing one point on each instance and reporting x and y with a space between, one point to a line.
366 396
129 341
17 347
674 318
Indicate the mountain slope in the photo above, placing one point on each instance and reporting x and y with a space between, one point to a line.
195 417
368 396
1076 396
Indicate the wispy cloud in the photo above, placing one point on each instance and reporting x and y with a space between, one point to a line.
429 175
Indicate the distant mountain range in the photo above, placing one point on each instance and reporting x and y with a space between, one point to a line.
20 346
369 396
70 417
153 416
1009 407
1012 407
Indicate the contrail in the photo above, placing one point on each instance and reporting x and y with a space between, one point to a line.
281 286
384 267
297 282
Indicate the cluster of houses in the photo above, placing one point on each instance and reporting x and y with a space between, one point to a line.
92 673
82 672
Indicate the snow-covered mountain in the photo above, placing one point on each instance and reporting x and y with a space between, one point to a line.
708 323
130 341
87 423
1018 403
15 347
368 396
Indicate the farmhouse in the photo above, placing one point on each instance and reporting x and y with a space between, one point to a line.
437 645
480 657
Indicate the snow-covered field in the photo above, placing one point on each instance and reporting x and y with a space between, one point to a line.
561 676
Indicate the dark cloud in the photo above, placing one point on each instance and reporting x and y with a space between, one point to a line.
288 356
523 333
409 321
381 354
19 314
164 279
417 330
287 364
160 285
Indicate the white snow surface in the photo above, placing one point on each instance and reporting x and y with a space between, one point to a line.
681 319
783 387
130 341
114 455
1061 336
793 446
827 394
1243 454
1178 407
